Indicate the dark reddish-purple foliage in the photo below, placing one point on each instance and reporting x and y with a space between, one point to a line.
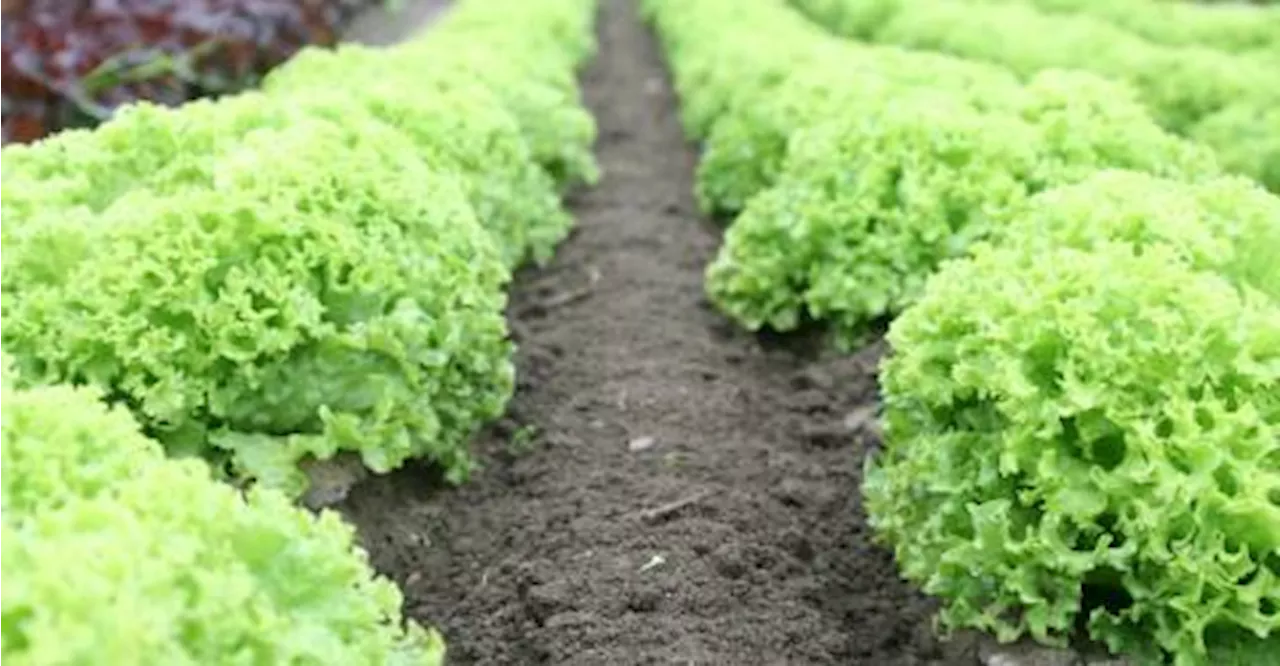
72 62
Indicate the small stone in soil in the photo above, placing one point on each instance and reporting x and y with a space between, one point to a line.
568 619
640 444
1024 653
863 416
655 561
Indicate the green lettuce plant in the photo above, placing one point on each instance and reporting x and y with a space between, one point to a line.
1082 422
113 554
311 298
865 207
1180 84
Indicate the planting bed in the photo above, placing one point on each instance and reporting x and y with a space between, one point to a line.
667 488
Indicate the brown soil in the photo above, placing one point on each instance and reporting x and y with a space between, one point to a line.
667 489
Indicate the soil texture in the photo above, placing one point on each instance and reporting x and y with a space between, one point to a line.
666 489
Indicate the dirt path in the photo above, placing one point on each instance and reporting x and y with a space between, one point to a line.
666 490
381 26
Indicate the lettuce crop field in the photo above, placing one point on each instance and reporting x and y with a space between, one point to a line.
877 332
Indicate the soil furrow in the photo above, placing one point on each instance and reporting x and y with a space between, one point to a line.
666 489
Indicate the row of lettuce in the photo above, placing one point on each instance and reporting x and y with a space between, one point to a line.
1229 100
228 290
1082 403
1233 27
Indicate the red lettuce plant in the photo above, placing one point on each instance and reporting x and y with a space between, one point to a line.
73 62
